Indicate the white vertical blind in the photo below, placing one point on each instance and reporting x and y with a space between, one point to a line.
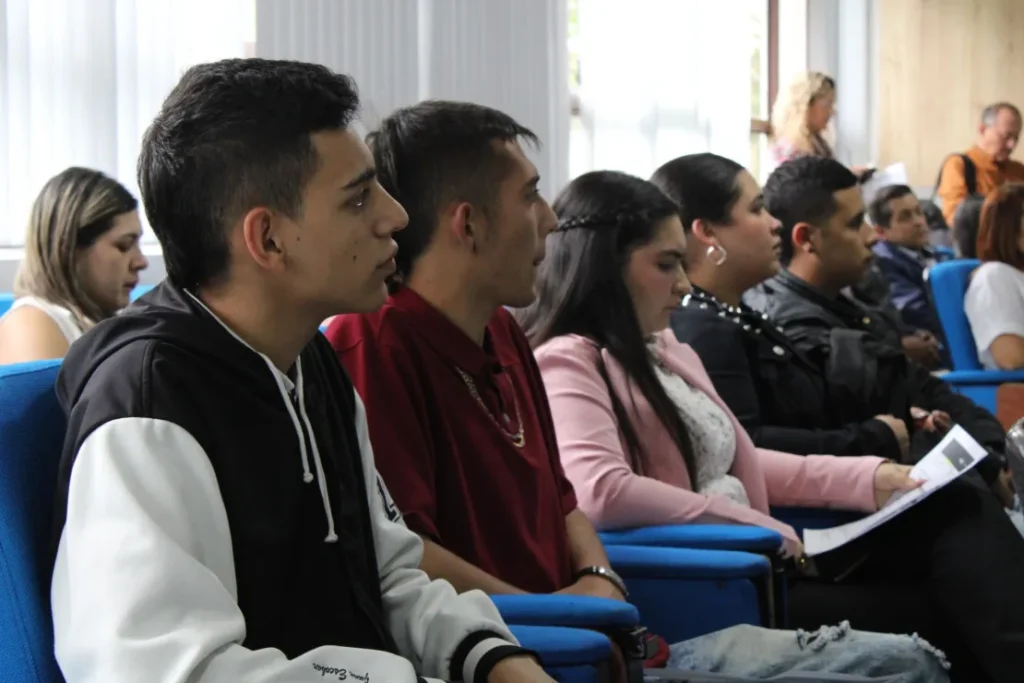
81 79
508 54
662 78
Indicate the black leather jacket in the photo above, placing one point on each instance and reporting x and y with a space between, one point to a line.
776 393
858 353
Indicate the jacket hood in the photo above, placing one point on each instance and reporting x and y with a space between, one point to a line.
165 313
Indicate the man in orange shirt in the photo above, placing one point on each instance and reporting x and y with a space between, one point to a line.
998 135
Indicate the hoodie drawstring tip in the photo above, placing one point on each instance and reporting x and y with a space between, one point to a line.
331 538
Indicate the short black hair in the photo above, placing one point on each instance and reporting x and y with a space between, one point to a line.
437 152
880 211
800 191
233 135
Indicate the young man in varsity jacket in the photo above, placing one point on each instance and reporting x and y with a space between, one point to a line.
220 517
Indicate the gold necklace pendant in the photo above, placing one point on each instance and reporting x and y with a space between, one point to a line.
518 438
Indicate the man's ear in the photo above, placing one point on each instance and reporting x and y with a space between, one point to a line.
463 224
264 238
805 238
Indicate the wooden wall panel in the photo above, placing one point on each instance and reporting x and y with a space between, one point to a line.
940 63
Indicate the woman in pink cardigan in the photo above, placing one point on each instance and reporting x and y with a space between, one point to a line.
637 418
646 440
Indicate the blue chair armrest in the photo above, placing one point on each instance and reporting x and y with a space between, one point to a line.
685 593
699 536
976 377
643 562
566 610
560 648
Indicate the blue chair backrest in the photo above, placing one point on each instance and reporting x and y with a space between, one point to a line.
6 301
139 291
32 430
949 281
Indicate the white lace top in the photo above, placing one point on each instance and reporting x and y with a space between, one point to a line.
712 436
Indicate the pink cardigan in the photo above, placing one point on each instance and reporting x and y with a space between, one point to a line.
613 496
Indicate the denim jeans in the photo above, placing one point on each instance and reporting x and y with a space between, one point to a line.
750 652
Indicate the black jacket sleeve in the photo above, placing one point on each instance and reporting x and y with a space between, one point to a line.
720 345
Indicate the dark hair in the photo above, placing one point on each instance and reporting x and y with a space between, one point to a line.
437 152
233 135
801 191
966 220
999 230
989 113
603 217
880 211
704 187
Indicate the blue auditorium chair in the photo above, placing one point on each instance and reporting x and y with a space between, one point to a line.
31 435
948 283
6 301
677 593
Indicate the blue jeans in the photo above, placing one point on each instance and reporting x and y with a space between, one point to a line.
759 654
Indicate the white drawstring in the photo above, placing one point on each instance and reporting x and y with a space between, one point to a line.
307 476
321 479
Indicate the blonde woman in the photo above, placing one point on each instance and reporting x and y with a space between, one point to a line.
800 117
82 260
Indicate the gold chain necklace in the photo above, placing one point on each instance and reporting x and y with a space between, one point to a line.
518 438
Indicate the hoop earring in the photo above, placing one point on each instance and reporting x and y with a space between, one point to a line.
717 254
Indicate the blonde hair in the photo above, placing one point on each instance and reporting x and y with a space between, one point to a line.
72 211
789 115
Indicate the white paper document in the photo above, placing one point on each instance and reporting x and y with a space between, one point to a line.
895 174
954 455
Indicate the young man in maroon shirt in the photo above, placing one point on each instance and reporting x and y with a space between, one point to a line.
456 404
457 411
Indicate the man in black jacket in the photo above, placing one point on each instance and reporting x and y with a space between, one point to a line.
826 248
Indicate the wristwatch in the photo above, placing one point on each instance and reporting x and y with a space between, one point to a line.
606 574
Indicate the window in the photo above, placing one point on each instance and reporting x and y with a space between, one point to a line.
82 80
764 75
656 79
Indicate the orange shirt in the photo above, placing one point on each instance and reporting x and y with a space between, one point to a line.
990 175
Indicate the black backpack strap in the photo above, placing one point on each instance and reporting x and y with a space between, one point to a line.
970 175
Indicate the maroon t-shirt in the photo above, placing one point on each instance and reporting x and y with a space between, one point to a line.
449 462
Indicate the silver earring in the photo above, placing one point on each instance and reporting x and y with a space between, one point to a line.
717 254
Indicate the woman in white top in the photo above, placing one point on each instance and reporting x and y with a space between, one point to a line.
995 297
82 260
